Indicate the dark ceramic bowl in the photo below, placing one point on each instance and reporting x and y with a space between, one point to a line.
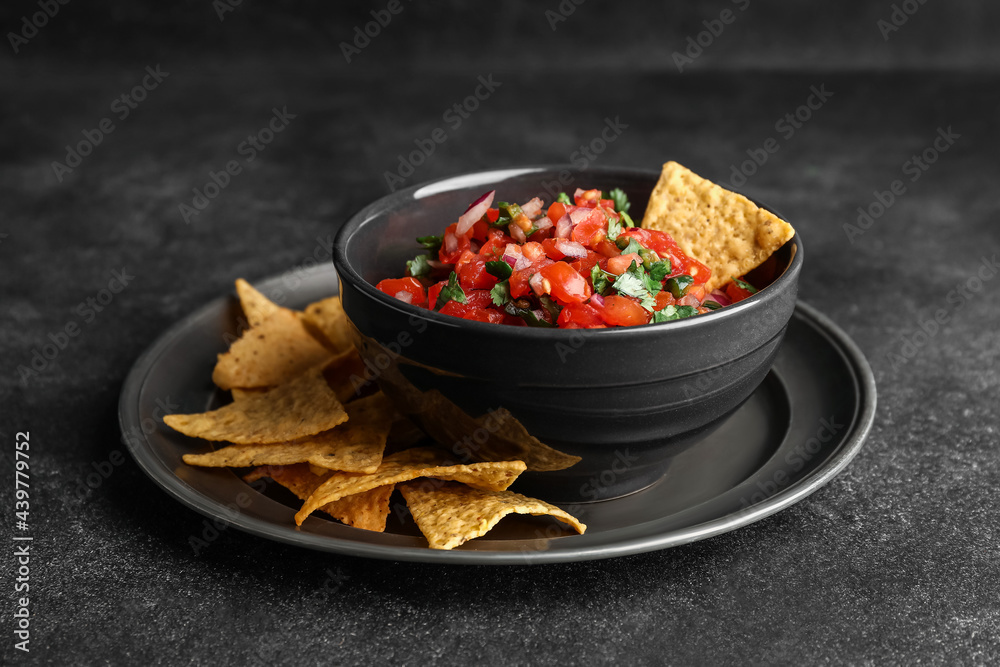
623 400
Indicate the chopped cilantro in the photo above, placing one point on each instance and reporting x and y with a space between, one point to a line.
678 285
551 306
452 292
500 269
627 219
631 284
745 285
529 316
418 266
500 293
669 313
432 243
563 198
621 200
659 270
631 246
614 229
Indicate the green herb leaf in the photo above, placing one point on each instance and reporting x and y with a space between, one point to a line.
631 246
501 293
660 270
418 266
627 219
500 269
452 292
678 285
563 198
631 284
712 305
745 285
599 279
670 313
527 315
621 200
550 305
432 243
614 229
509 210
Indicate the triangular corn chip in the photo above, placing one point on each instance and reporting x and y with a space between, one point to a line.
407 465
269 354
450 514
327 318
356 446
721 229
304 406
367 510
256 306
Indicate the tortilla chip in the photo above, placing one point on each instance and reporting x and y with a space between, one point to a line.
305 406
721 229
356 446
346 375
450 514
407 465
328 319
269 354
256 306
367 510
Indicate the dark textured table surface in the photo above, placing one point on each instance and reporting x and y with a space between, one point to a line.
894 562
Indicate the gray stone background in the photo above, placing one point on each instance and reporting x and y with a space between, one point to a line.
895 562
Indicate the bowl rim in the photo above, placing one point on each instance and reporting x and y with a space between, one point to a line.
347 273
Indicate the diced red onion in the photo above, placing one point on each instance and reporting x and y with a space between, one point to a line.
435 264
537 284
404 296
472 214
597 299
564 227
517 233
579 191
532 208
450 243
511 259
522 263
571 248
542 223
689 300
540 314
720 297
578 215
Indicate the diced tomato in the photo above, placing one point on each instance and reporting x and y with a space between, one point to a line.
556 210
623 311
519 279
484 315
663 299
581 315
460 244
479 230
585 265
454 308
592 230
619 265
492 214
463 259
607 248
493 248
698 271
607 203
411 286
433 292
566 285
737 293
588 198
533 251
472 275
549 245
478 298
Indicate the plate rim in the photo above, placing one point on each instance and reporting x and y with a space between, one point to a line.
130 419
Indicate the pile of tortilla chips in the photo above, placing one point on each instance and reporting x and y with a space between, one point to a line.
301 417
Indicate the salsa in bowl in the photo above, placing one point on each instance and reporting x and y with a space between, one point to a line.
620 401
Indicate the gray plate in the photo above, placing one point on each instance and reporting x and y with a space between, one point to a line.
801 427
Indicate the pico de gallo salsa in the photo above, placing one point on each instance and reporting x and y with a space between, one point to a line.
580 263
